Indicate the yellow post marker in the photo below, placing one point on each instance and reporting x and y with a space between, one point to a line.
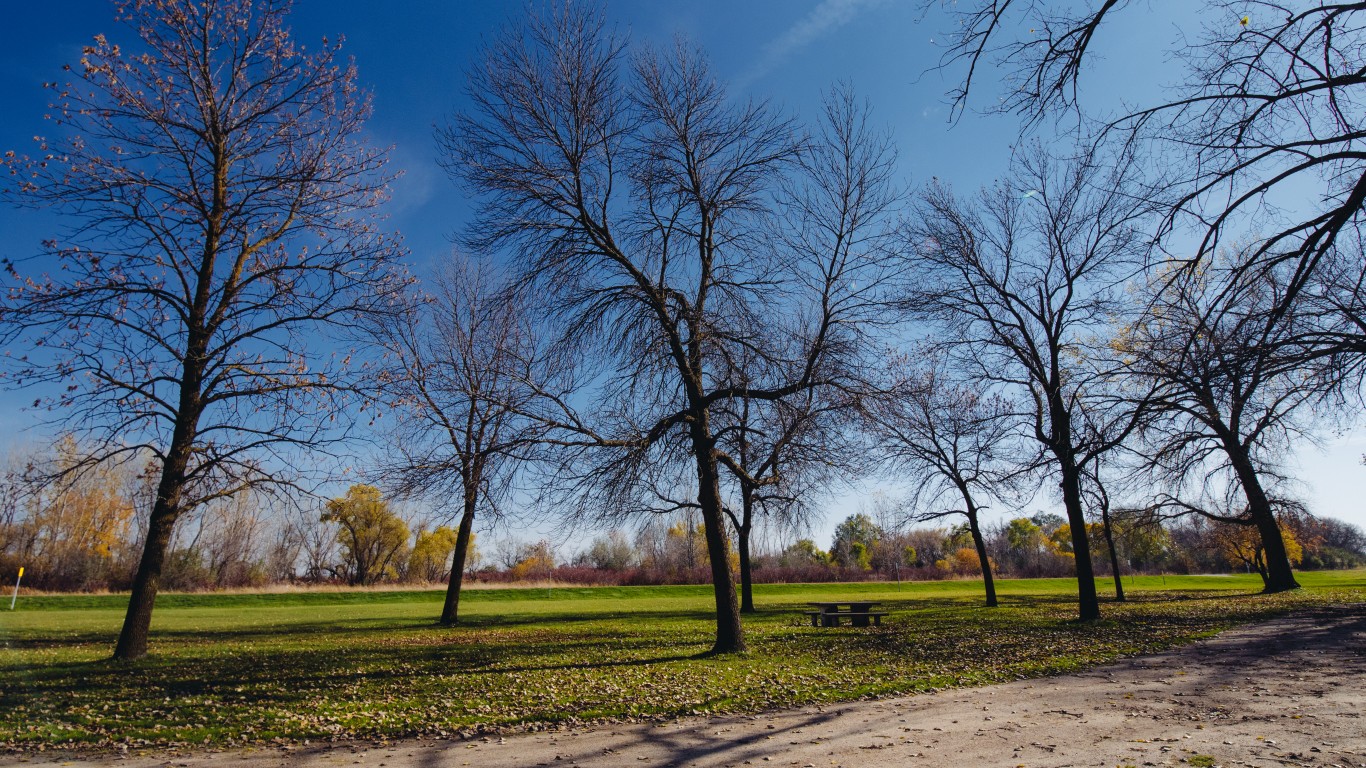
15 596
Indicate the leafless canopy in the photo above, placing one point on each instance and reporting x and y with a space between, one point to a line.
466 364
673 234
1219 373
951 442
1265 133
1020 284
1227 394
1043 65
471 382
213 180
954 445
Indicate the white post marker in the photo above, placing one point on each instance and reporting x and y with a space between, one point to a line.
15 596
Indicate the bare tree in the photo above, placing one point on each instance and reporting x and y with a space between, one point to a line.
642 204
1266 132
289 533
468 367
223 221
1018 284
1227 395
947 439
234 531
782 456
317 546
1095 490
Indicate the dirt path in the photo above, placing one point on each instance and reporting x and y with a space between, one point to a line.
1289 692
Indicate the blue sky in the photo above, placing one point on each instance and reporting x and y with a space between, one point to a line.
412 55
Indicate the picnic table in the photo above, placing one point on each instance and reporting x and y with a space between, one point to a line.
858 611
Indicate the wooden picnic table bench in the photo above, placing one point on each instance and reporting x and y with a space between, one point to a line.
859 612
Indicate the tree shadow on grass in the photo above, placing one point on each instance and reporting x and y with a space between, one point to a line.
299 667
1186 596
465 629
286 675
602 664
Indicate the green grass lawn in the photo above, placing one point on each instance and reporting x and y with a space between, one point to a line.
251 668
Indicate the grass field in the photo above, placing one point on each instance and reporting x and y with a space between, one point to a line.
239 668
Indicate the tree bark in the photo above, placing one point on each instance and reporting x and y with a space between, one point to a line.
1279 575
1114 553
137 622
746 577
730 635
980 543
450 610
1088 603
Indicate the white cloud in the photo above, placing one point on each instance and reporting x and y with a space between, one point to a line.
823 19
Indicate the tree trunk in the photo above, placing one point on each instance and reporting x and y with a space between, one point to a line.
360 557
1114 553
1260 564
746 579
137 622
450 610
1279 576
1088 603
730 635
980 543
742 546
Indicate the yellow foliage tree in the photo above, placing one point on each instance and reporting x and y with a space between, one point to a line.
963 562
374 540
430 559
535 561
79 522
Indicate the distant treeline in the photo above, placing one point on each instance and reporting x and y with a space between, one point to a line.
86 534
